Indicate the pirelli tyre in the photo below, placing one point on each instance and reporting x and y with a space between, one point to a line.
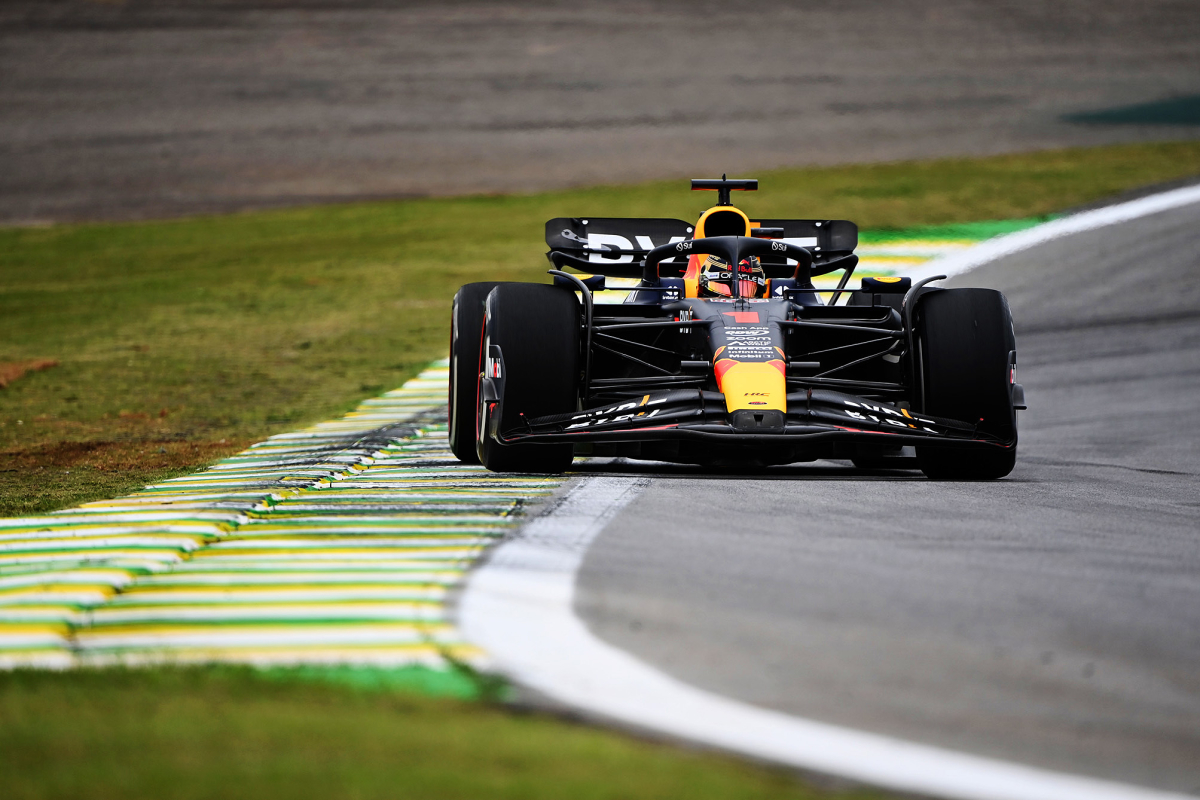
466 335
534 329
966 346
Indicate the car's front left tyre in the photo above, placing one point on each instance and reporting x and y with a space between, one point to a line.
966 340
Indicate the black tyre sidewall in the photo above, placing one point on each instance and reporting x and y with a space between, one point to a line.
537 329
466 333
966 336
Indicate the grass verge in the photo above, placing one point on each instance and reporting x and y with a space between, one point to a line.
231 733
181 341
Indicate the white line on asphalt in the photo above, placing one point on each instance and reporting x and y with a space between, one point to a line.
992 249
518 607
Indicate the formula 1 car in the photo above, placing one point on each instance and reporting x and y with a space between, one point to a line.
725 354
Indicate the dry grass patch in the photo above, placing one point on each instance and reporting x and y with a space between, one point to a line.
47 476
13 370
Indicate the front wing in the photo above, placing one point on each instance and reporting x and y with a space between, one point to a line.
814 414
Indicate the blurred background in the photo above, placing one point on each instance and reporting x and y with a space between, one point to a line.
144 108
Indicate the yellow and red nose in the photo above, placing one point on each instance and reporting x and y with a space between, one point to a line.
756 385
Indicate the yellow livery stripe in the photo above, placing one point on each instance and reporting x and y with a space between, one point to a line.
758 386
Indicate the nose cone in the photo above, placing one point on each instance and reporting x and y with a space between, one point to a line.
753 386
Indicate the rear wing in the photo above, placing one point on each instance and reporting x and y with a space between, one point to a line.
614 246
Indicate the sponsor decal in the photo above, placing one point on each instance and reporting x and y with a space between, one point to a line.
742 317
609 242
491 367
604 416
750 352
882 415
750 343
591 423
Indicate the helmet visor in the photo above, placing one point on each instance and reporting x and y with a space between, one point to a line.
751 280
748 288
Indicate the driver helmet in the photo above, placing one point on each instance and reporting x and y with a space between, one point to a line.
716 280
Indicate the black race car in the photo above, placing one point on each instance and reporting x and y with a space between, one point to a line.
723 353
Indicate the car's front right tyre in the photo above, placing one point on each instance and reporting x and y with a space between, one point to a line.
536 329
466 334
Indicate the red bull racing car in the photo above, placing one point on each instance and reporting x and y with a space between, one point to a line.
725 354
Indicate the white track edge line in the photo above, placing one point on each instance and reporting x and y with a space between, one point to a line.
977 255
519 608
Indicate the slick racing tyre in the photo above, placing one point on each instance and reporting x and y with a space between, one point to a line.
466 334
965 338
536 328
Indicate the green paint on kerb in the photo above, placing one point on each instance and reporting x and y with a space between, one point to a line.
964 231
461 684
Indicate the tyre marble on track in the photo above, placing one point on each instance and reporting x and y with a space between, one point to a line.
1050 618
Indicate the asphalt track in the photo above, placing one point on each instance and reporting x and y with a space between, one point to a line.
150 108
1051 619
